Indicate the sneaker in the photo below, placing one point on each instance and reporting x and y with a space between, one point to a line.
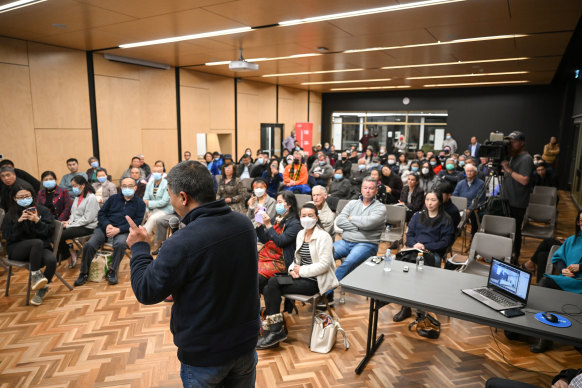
39 296
82 279
112 277
37 280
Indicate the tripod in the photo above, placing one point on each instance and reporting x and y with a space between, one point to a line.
490 204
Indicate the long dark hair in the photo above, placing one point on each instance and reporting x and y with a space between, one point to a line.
430 174
577 225
80 180
289 197
432 222
14 209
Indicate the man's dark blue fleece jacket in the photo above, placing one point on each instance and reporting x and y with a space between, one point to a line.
210 269
116 208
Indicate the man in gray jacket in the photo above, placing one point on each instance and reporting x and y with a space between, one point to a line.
362 221
320 172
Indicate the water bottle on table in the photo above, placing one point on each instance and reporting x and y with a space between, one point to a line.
420 261
388 261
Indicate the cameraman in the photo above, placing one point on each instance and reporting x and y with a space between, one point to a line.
517 183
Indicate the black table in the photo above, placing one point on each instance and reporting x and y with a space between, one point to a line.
439 291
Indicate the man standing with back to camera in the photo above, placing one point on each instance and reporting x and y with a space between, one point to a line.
210 269
517 184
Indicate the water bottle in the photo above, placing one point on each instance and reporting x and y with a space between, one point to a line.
388 261
388 228
420 261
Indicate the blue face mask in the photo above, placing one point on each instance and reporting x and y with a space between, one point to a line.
450 166
280 208
414 169
94 164
76 191
338 177
101 179
298 148
216 159
25 202
260 160
49 184
127 192
322 163
157 176
461 163
362 167
433 163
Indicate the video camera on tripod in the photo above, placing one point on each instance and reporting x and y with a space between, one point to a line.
496 150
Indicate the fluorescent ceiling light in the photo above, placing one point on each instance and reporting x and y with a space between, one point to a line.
439 43
368 11
311 72
18 4
187 37
455 63
470 75
347 81
266 59
476 83
136 61
374 87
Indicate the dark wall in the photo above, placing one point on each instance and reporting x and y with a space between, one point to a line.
577 111
534 110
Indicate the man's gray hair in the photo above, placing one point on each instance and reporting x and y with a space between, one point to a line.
194 179
470 166
368 179
323 189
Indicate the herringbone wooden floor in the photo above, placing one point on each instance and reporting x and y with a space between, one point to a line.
100 336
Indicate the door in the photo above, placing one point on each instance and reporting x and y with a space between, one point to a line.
272 138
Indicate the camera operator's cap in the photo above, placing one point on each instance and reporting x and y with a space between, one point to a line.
516 135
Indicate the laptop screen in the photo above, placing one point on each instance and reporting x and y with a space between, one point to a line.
509 279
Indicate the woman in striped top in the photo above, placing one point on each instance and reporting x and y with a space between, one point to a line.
312 271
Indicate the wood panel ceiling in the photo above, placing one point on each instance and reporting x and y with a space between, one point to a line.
103 25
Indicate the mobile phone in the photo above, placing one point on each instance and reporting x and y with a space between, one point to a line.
376 259
31 210
510 313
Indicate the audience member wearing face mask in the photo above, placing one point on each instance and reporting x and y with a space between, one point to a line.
53 197
103 187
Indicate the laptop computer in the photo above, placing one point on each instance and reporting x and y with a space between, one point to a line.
507 287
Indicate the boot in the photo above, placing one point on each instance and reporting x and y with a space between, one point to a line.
404 313
274 334
541 346
37 280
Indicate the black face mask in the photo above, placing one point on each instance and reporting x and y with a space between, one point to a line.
295 161
344 159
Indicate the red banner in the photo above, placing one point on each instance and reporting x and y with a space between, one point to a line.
304 134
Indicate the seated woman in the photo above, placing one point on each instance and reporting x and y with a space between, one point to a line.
157 201
340 187
312 271
135 163
159 163
103 187
392 183
431 230
53 197
278 250
28 228
273 178
428 179
83 218
413 168
412 196
92 171
567 262
230 189
259 197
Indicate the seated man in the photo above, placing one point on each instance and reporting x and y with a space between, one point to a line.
135 163
358 177
326 216
544 177
245 167
21 174
261 165
344 164
295 176
73 166
112 224
340 187
320 172
362 221
450 174
470 188
157 200
140 185
8 178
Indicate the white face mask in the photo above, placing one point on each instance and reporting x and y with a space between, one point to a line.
308 222
391 161
259 192
425 171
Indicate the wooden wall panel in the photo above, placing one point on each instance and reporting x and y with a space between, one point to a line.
194 108
16 123
256 105
160 144
315 116
118 111
55 146
292 107
13 51
60 92
157 89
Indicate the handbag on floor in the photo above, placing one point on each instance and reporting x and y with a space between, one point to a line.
324 334
426 325
99 266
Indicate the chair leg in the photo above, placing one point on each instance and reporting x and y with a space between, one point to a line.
64 281
314 308
8 280
28 288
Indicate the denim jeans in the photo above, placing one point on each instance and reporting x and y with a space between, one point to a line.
239 373
354 253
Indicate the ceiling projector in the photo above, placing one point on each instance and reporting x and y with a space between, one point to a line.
242 65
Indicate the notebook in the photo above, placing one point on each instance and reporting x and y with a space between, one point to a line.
507 287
